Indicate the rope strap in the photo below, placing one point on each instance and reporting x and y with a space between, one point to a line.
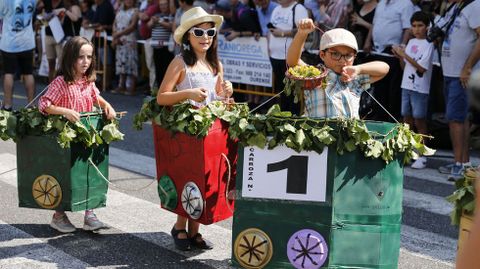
108 181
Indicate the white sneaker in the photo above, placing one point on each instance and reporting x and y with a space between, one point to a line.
91 223
420 163
62 224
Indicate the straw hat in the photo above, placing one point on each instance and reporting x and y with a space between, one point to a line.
192 17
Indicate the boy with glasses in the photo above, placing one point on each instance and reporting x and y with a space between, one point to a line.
345 82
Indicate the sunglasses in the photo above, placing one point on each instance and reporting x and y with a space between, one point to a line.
199 32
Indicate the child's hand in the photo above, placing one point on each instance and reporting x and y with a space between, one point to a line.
198 94
349 73
224 88
71 115
227 88
59 11
110 112
355 19
306 26
399 51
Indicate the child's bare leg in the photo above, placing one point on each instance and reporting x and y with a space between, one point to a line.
193 228
181 224
196 238
179 234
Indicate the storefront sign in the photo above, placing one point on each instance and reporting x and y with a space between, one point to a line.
245 60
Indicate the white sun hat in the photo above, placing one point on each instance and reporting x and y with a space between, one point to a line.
192 17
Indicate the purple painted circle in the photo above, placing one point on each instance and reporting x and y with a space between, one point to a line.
307 249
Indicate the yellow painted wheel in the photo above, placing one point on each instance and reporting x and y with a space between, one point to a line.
253 248
46 191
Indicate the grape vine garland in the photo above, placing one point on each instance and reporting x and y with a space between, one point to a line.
278 127
29 121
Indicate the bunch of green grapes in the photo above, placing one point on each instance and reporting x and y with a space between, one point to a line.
304 71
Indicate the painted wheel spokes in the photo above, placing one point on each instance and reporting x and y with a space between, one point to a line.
46 191
253 248
192 200
306 249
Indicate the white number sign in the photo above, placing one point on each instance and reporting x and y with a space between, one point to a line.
284 174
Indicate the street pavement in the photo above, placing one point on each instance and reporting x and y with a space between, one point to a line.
139 230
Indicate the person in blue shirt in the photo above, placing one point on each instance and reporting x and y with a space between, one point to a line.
16 46
264 11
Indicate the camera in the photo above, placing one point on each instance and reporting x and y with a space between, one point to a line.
435 33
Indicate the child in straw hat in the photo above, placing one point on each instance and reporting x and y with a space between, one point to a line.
345 81
196 76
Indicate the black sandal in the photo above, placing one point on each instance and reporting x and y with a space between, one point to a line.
180 243
203 244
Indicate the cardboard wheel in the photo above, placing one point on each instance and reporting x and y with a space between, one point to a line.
46 191
167 192
192 200
307 249
253 248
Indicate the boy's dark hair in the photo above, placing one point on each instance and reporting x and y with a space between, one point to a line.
70 54
189 55
421 17
188 2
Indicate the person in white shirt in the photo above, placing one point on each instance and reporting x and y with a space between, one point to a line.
460 55
416 60
284 21
391 26
16 47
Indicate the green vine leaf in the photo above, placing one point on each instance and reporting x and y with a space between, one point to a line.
110 133
258 140
278 127
15 125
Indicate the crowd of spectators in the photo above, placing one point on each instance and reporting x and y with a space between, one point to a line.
379 27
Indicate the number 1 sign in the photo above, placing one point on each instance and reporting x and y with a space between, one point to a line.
284 174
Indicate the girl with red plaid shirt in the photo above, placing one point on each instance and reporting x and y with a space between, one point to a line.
72 92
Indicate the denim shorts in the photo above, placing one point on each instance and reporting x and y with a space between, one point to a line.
456 100
414 104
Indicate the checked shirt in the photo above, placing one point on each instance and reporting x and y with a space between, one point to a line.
80 95
336 98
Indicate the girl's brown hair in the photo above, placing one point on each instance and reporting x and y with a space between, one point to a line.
70 54
189 55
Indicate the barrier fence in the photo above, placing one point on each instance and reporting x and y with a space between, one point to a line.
245 61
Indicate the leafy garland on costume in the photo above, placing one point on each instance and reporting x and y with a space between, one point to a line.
279 127
463 198
17 124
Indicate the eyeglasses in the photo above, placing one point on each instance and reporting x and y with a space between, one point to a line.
337 55
199 32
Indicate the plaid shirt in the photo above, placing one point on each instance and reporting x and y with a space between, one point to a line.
337 98
80 95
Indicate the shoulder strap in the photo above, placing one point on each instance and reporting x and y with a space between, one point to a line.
186 71
293 17
456 13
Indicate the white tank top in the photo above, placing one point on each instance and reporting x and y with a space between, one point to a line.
206 80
